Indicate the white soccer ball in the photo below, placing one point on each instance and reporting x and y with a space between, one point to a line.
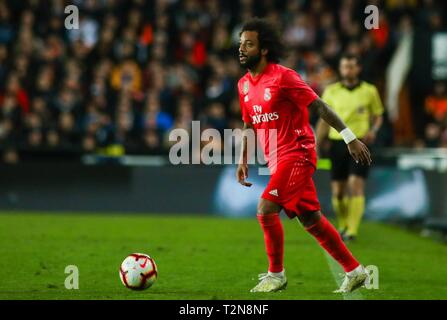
138 271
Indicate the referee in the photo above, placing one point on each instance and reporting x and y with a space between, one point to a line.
358 104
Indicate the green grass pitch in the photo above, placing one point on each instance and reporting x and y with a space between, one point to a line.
200 258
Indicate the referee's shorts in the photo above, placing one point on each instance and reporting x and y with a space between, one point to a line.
343 165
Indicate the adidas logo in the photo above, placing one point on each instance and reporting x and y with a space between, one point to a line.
274 192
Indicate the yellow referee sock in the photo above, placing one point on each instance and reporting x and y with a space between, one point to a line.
355 214
341 211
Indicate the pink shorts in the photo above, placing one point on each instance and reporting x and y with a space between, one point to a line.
292 187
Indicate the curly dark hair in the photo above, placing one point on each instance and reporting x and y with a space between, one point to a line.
268 37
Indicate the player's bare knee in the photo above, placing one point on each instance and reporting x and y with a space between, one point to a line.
308 219
267 207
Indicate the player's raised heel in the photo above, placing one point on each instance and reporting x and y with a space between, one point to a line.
270 283
353 280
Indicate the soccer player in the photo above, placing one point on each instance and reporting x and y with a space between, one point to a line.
275 99
358 104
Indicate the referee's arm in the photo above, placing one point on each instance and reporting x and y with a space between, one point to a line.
376 117
376 123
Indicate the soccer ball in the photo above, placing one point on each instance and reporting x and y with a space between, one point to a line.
138 271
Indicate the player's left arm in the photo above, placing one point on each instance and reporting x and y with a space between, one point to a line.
357 149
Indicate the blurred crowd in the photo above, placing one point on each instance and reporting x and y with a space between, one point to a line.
135 69
436 108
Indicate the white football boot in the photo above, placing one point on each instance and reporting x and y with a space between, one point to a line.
270 282
353 280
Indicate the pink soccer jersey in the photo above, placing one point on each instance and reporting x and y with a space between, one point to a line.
278 99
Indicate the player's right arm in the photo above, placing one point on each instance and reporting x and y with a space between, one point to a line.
242 168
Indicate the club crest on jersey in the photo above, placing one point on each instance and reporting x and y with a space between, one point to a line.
245 87
267 94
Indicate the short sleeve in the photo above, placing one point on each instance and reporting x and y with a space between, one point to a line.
245 116
296 90
376 102
326 97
